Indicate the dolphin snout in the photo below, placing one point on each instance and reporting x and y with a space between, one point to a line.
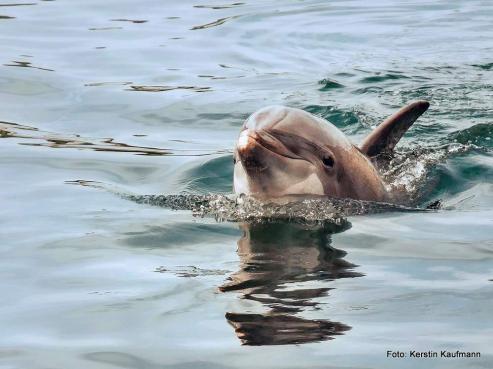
247 140
249 149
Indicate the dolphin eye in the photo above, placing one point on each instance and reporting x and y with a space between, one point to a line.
234 159
328 161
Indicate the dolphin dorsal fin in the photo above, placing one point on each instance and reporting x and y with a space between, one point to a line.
384 138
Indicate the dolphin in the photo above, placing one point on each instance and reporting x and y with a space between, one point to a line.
283 151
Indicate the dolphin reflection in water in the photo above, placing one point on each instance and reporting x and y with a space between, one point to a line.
282 265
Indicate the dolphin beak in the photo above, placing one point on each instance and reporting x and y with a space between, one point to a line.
250 150
256 149
246 141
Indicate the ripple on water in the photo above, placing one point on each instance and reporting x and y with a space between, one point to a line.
338 116
215 23
479 134
143 88
383 78
25 64
329 84
486 66
17 4
136 21
218 7
27 135
212 176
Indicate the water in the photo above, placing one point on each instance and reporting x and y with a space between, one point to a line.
146 98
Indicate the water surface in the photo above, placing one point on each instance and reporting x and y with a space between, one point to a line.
147 98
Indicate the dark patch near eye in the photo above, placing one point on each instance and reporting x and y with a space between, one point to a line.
328 161
234 159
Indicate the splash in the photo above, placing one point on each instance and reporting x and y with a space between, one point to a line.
307 210
243 208
407 171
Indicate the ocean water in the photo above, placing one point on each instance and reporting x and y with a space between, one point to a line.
105 102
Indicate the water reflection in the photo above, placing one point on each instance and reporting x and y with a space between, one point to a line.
282 329
281 266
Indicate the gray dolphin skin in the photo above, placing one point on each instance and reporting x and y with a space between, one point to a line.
284 151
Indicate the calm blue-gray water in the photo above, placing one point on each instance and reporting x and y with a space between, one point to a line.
147 98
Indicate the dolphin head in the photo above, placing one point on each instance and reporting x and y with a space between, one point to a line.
284 151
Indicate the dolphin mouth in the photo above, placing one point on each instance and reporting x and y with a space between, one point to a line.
251 143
